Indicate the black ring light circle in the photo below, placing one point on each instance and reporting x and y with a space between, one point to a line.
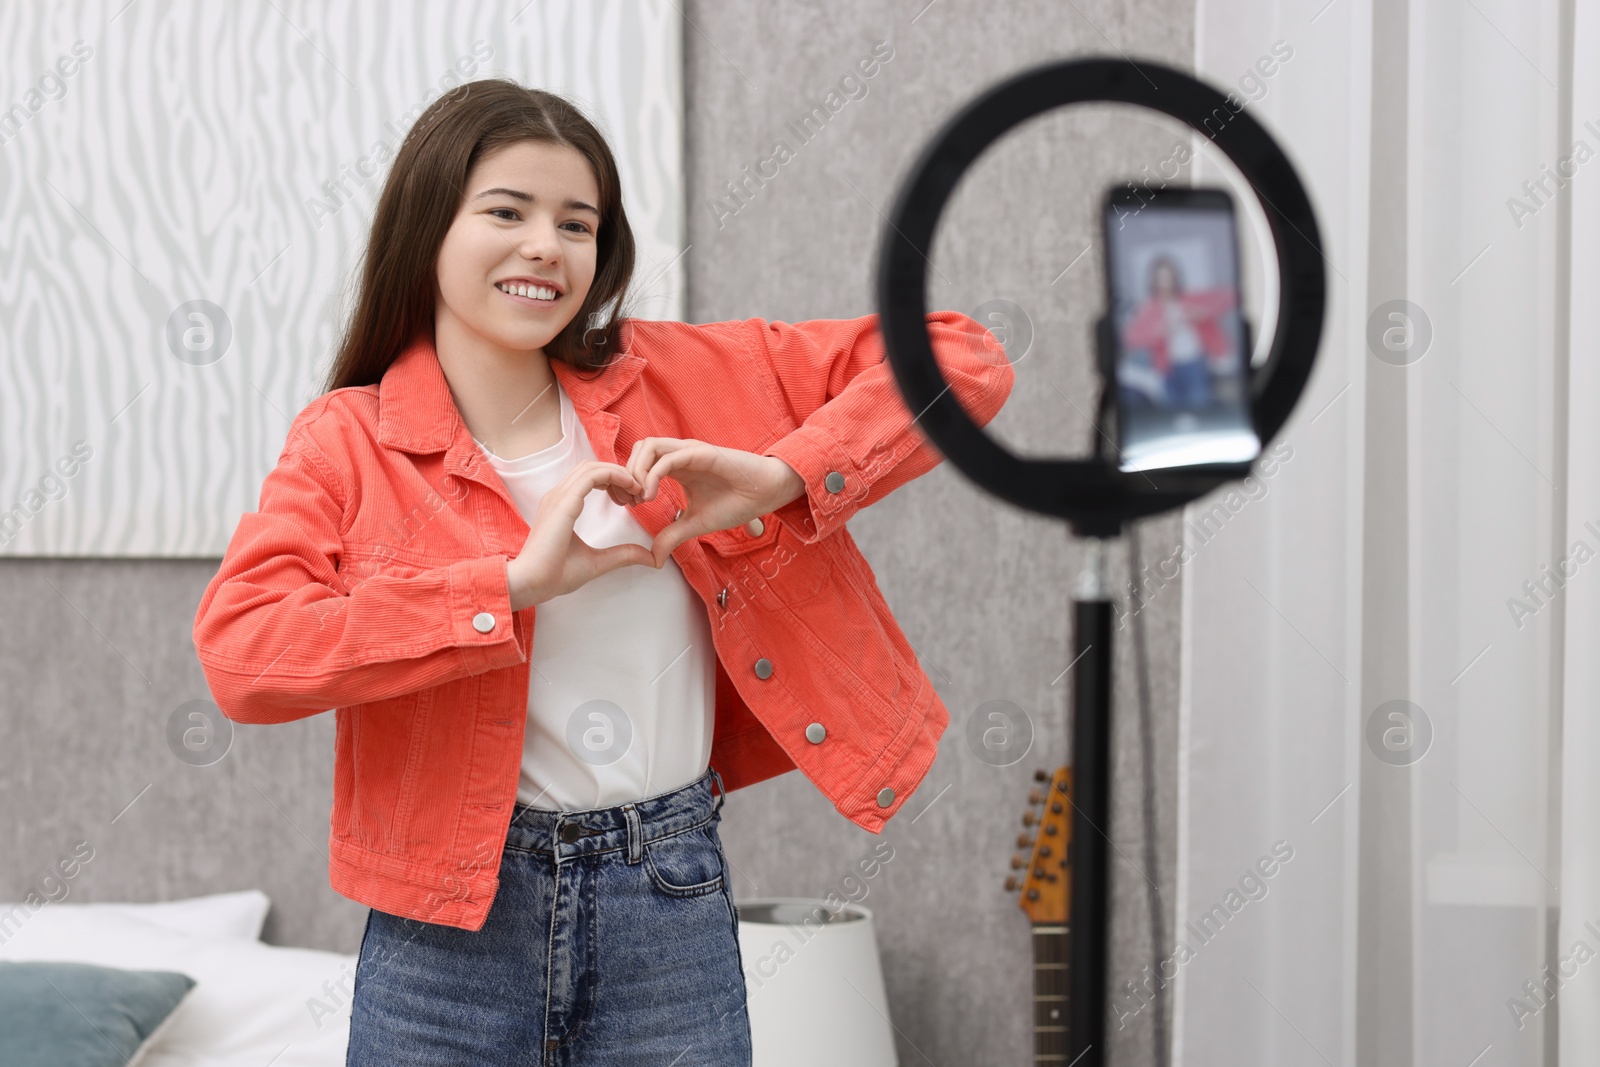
1093 494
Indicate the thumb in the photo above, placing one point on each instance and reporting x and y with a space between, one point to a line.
671 536
617 556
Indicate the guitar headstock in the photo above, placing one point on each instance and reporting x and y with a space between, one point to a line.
1044 890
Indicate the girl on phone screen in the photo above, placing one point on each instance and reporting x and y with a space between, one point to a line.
568 577
1183 332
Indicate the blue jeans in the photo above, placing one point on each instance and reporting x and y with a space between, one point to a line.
1189 385
617 948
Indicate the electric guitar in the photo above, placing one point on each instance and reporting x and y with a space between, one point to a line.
1045 894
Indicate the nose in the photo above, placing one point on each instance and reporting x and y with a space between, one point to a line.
539 240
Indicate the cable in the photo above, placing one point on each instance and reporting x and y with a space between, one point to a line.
1158 935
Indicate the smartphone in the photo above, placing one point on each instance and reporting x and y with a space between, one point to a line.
1180 360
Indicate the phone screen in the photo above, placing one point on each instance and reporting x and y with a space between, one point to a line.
1182 367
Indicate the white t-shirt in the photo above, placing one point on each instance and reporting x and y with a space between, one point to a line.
622 694
1183 341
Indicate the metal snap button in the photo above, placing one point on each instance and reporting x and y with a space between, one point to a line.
722 597
754 527
885 797
834 481
483 622
763 668
816 732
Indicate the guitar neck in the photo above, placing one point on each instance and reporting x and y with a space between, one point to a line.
1044 889
1050 986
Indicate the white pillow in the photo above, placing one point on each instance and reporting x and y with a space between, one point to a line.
238 914
250 999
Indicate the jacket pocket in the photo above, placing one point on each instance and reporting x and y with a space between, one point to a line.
686 864
377 758
773 564
739 541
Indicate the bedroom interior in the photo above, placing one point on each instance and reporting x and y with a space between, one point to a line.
1369 767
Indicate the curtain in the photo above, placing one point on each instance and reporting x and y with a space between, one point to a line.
1389 688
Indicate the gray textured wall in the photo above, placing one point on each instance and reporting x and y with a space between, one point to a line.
981 588
98 654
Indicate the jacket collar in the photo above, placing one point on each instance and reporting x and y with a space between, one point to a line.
416 412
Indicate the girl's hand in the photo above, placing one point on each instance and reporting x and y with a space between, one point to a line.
723 487
554 560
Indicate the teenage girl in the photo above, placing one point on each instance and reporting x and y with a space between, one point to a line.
532 218
610 935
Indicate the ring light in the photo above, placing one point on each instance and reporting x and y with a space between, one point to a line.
1092 494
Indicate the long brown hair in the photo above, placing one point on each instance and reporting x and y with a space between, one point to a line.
424 190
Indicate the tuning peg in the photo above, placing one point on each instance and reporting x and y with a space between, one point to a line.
1051 829
1057 807
1029 818
1041 775
1017 863
1033 894
1012 885
1035 797
1045 850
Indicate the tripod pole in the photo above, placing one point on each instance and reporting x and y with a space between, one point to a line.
1089 916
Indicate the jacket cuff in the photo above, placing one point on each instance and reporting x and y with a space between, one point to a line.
485 628
835 486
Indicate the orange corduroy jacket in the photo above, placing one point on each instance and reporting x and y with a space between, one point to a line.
372 580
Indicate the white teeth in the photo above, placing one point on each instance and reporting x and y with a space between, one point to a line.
538 291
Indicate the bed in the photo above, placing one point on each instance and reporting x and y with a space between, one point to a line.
249 1004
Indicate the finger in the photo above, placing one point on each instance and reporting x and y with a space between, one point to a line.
624 488
648 458
568 497
617 477
642 456
668 462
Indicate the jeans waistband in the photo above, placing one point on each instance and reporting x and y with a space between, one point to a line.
627 826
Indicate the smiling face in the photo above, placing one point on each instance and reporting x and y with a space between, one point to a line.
529 220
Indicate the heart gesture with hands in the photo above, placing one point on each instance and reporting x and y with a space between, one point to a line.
722 487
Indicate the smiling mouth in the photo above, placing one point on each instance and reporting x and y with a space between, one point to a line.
531 295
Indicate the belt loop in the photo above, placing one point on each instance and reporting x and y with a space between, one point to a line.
635 837
721 791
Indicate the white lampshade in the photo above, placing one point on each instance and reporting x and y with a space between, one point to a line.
815 985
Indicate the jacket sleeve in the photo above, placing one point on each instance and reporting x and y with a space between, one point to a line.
855 430
279 638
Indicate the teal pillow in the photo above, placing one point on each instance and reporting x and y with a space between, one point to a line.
78 1013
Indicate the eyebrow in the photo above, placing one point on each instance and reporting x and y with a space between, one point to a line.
517 194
